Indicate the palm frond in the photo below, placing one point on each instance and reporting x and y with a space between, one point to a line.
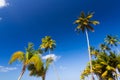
17 56
90 28
104 74
48 62
90 15
77 21
82 14
36 60
95 22
30 47
34 72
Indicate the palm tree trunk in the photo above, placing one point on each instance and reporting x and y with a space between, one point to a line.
54 68
100 78
43 77
23 70
116 77
90 58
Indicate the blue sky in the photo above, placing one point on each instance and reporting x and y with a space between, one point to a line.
24 21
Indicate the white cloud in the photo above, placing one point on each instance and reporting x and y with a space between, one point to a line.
3 3
53 56
6 69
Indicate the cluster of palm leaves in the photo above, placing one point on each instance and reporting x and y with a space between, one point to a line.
106 60
32 59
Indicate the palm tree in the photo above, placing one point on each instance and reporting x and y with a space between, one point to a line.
48 44
30 57
42 72
84 24
112 41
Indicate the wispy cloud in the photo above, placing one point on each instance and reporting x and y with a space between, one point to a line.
53 56
6 69
3 3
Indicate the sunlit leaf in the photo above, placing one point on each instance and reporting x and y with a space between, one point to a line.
17 56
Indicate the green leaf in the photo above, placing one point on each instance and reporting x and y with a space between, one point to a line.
36 60
95 22
17 56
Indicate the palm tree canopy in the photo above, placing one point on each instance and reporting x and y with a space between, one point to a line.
48 43
30 57
33 57
112 40
84 22
42 71
104 47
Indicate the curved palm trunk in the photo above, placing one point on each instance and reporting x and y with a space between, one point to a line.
23 70
90 58
55 70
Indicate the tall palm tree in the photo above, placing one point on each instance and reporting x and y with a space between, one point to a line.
48 44
42 72
84 23
30 57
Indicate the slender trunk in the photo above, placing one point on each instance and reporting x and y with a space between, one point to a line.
55 70
90 58
116 77
100 78
43 77
23 70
